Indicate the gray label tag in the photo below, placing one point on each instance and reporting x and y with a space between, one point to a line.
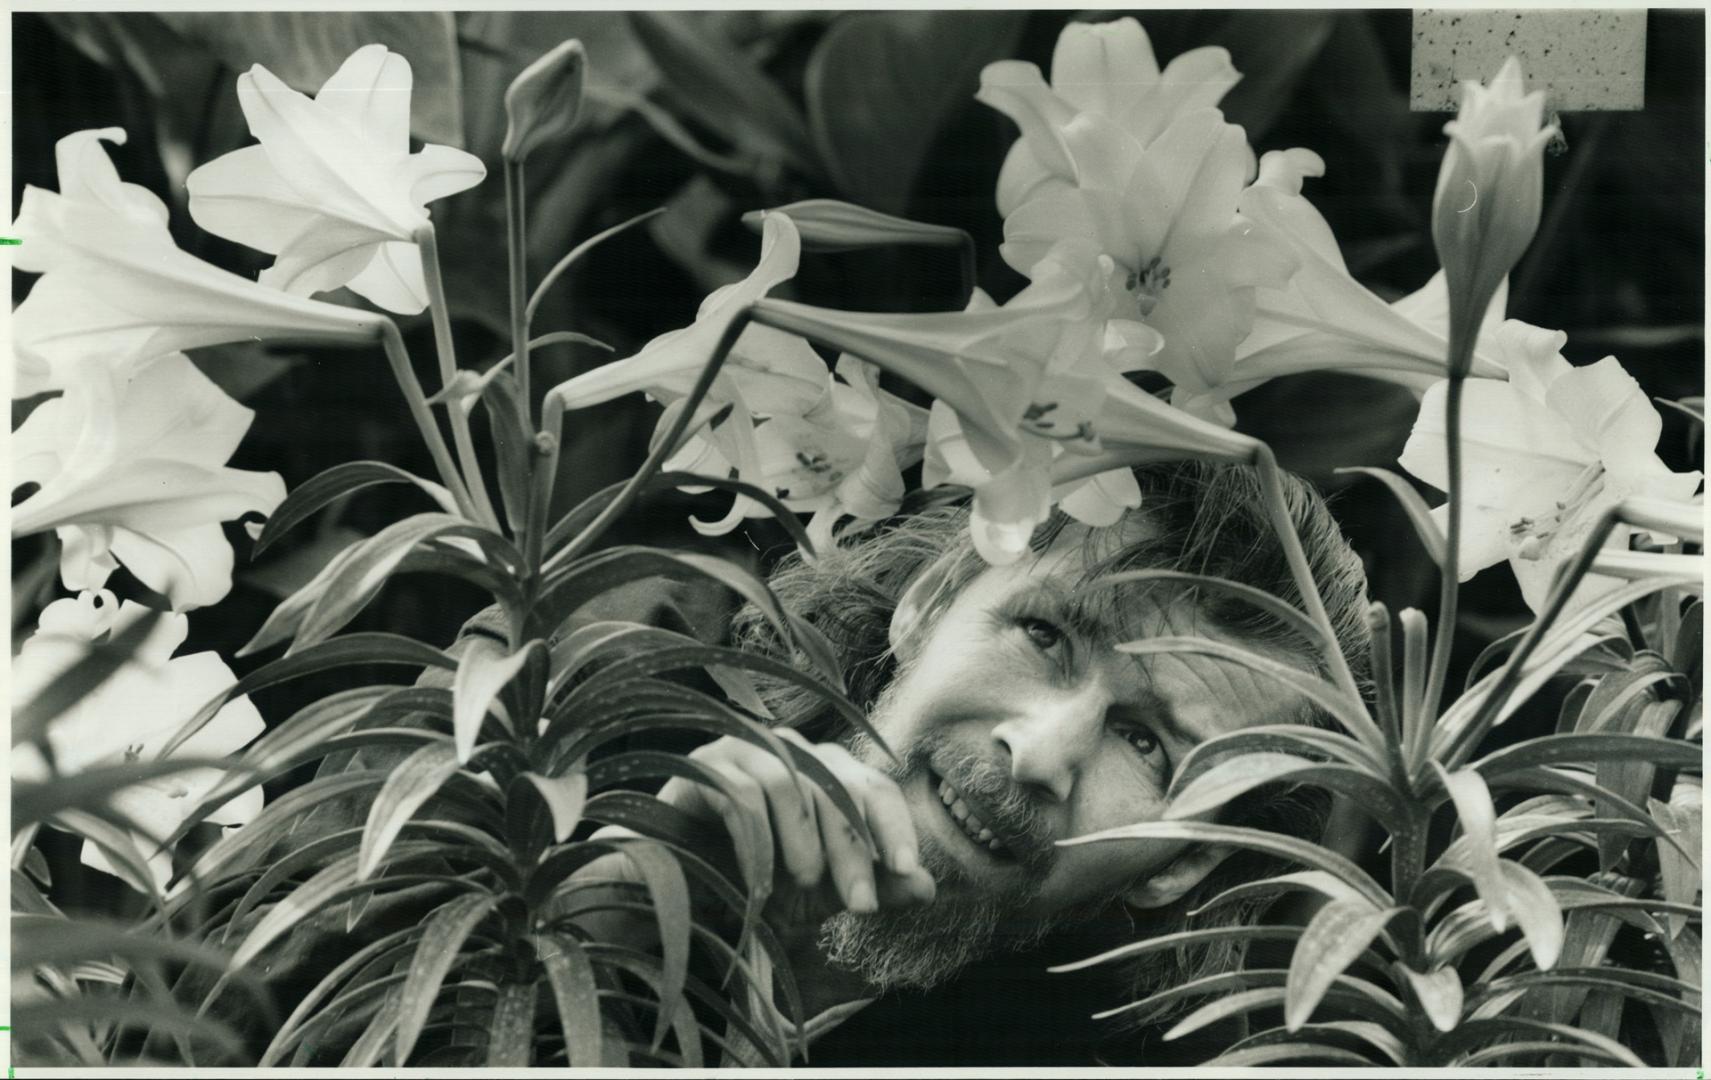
1587 59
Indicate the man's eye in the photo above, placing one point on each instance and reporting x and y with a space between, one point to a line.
1145 742
1045 635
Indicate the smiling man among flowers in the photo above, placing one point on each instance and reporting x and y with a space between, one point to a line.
1015 724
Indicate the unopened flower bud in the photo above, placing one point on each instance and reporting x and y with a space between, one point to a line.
1490 187
542 103
833 225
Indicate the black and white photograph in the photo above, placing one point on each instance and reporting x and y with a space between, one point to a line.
882 539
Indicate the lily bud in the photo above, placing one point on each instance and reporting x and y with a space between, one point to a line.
542 103
1490 187
832 225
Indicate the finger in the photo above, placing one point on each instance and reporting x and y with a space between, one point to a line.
848 861
916 888
883 806
794 822
745 807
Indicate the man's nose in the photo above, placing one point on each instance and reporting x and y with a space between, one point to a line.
1052 738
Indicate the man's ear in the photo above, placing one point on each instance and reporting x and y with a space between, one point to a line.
915 606
1174 882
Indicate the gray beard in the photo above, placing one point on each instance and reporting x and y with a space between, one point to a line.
921 947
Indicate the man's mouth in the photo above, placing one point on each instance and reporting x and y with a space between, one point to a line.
967 819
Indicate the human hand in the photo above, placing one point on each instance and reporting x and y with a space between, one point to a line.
822 865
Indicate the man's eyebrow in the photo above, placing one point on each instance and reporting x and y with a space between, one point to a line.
1159 713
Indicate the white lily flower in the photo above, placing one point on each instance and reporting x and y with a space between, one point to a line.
1144 176
842 458
1326 320
1023 390
332 187
1543 455
116 288
1490 188
130 717
1105 69
772 371
131 468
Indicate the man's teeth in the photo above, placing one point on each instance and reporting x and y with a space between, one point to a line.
971 825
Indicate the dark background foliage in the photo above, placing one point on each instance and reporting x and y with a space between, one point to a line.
715 113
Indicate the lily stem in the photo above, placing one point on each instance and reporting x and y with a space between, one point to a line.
447 351
663 448
543 476
515 233
1284 524
393 342
1449 590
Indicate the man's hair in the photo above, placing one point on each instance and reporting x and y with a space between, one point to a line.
1198 518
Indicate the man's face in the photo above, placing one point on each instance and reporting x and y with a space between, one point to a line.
1018 725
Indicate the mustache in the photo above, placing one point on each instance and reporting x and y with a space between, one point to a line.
1008 809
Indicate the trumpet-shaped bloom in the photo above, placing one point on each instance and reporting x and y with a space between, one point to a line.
1543 455
116 288
842 458
1106 70
131 468
771 371
1163 222
1326 320
1024 390
1490 188
130 717
332 187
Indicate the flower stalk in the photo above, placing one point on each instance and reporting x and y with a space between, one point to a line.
1270 483
517 252
446 349
393 343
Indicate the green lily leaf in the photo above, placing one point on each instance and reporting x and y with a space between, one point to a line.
442 940
410 784
564 796
1338 933
1180 939
1459 1045
1238 775
358 579
1629 778
753 849
483 670
1353 994
1287 847
1276 1052
1439 992
512 1043
1320 692
575 992
1325 884
351 649
1429 533
340 480
1680 874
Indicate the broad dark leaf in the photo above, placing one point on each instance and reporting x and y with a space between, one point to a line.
881 86
723 88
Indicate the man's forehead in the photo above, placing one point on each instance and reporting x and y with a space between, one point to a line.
1197 694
